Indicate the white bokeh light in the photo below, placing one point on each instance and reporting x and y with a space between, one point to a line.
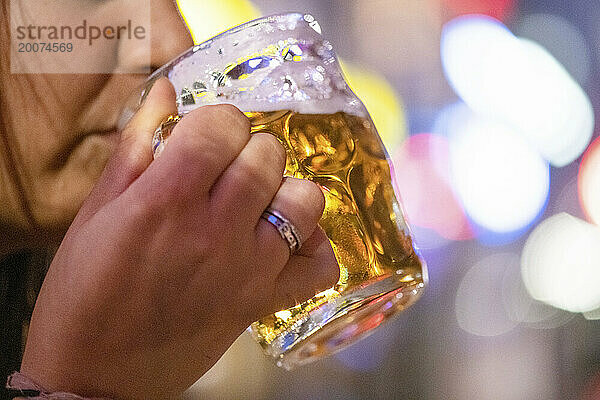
502 181
560 263
592 315
563 39
232 378
519 83
521 307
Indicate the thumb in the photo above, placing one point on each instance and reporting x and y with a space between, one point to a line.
134 151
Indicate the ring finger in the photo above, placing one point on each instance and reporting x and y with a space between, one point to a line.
299 201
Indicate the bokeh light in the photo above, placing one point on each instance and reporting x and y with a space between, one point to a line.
206 19
371 352
232 377
515 367
479 305
421 168
425 238
381 100
561 38
495 8
559 263
518 82
502 182
588 182
592 315
521 307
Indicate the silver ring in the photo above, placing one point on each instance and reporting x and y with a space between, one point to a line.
286 229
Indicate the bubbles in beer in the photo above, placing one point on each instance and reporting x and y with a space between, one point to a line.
343 154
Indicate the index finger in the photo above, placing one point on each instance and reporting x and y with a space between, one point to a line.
200 148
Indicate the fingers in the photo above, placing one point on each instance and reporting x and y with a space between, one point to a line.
200 148
311 270
302 203
134 153
313 267
247 187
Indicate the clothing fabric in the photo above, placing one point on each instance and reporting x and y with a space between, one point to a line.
23 386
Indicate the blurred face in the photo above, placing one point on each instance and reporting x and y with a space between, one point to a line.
58 130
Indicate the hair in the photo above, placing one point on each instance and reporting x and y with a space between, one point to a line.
22 272
6 150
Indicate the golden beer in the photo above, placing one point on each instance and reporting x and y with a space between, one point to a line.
344 155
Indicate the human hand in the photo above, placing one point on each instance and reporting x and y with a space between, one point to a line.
168 261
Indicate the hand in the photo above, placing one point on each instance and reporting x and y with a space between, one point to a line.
168 261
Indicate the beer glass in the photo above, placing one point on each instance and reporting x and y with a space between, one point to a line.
285 77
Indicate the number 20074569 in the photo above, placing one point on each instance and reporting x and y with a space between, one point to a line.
51 47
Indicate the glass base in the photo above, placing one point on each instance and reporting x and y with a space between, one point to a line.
342 321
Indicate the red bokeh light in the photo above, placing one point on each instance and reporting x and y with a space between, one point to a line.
421 168
500 9
588 182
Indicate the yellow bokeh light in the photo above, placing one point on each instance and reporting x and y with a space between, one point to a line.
207 18
381 101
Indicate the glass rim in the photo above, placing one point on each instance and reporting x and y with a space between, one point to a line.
308 18
338 97
224 69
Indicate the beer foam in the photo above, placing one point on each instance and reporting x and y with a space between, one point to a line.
274 63
347 104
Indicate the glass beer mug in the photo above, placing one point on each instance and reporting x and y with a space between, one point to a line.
285 77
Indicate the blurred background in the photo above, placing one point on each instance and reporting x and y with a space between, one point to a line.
487 110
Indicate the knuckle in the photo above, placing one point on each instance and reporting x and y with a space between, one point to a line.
182 183
221 128
229 112
195 121
312 197
185 151
146 213
189 150
273 149
249 174
225 116
261 172
254 179
193 143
